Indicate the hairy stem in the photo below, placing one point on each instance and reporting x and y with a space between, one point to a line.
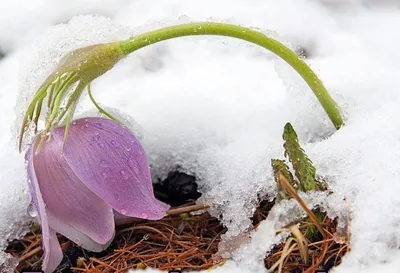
208 28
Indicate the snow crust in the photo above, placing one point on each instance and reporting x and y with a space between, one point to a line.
216 107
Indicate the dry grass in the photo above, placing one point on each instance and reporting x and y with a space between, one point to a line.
175 242
314 242
189 242
323 253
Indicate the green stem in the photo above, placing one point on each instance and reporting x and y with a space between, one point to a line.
208 28
99 108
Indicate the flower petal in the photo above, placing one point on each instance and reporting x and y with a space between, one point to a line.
51 247
110 161
52 250
67 198
75 235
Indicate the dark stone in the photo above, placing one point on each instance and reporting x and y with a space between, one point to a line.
178 189
73 253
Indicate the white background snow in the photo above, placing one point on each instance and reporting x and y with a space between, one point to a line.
217 107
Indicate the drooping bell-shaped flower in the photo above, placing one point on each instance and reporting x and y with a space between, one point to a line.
77 187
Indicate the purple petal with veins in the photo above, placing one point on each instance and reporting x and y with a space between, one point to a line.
67 198
76 235
111 162
51 247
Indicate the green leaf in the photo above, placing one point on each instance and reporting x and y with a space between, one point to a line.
32 113
280 167
312 232
302 165
70 109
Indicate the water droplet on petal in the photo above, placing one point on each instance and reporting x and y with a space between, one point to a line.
103 163
95 137
134 165
101 145
128 148
124 174
123 211
98 125
32 210
104 174
114 143
145 215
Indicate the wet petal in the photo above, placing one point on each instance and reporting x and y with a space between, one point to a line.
120 219
75 235
51 247
52 250
67 198
110 161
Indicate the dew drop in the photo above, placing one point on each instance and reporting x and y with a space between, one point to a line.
101 145
114 143
128 148
145 215
124 174
103 163
123 211
134 165
98 125
95 137
104 174
32 210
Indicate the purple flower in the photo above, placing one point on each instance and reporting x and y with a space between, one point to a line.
103 168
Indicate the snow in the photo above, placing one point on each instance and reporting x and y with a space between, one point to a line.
216 107
14 197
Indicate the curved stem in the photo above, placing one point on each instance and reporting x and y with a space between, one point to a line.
99 108
208 28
